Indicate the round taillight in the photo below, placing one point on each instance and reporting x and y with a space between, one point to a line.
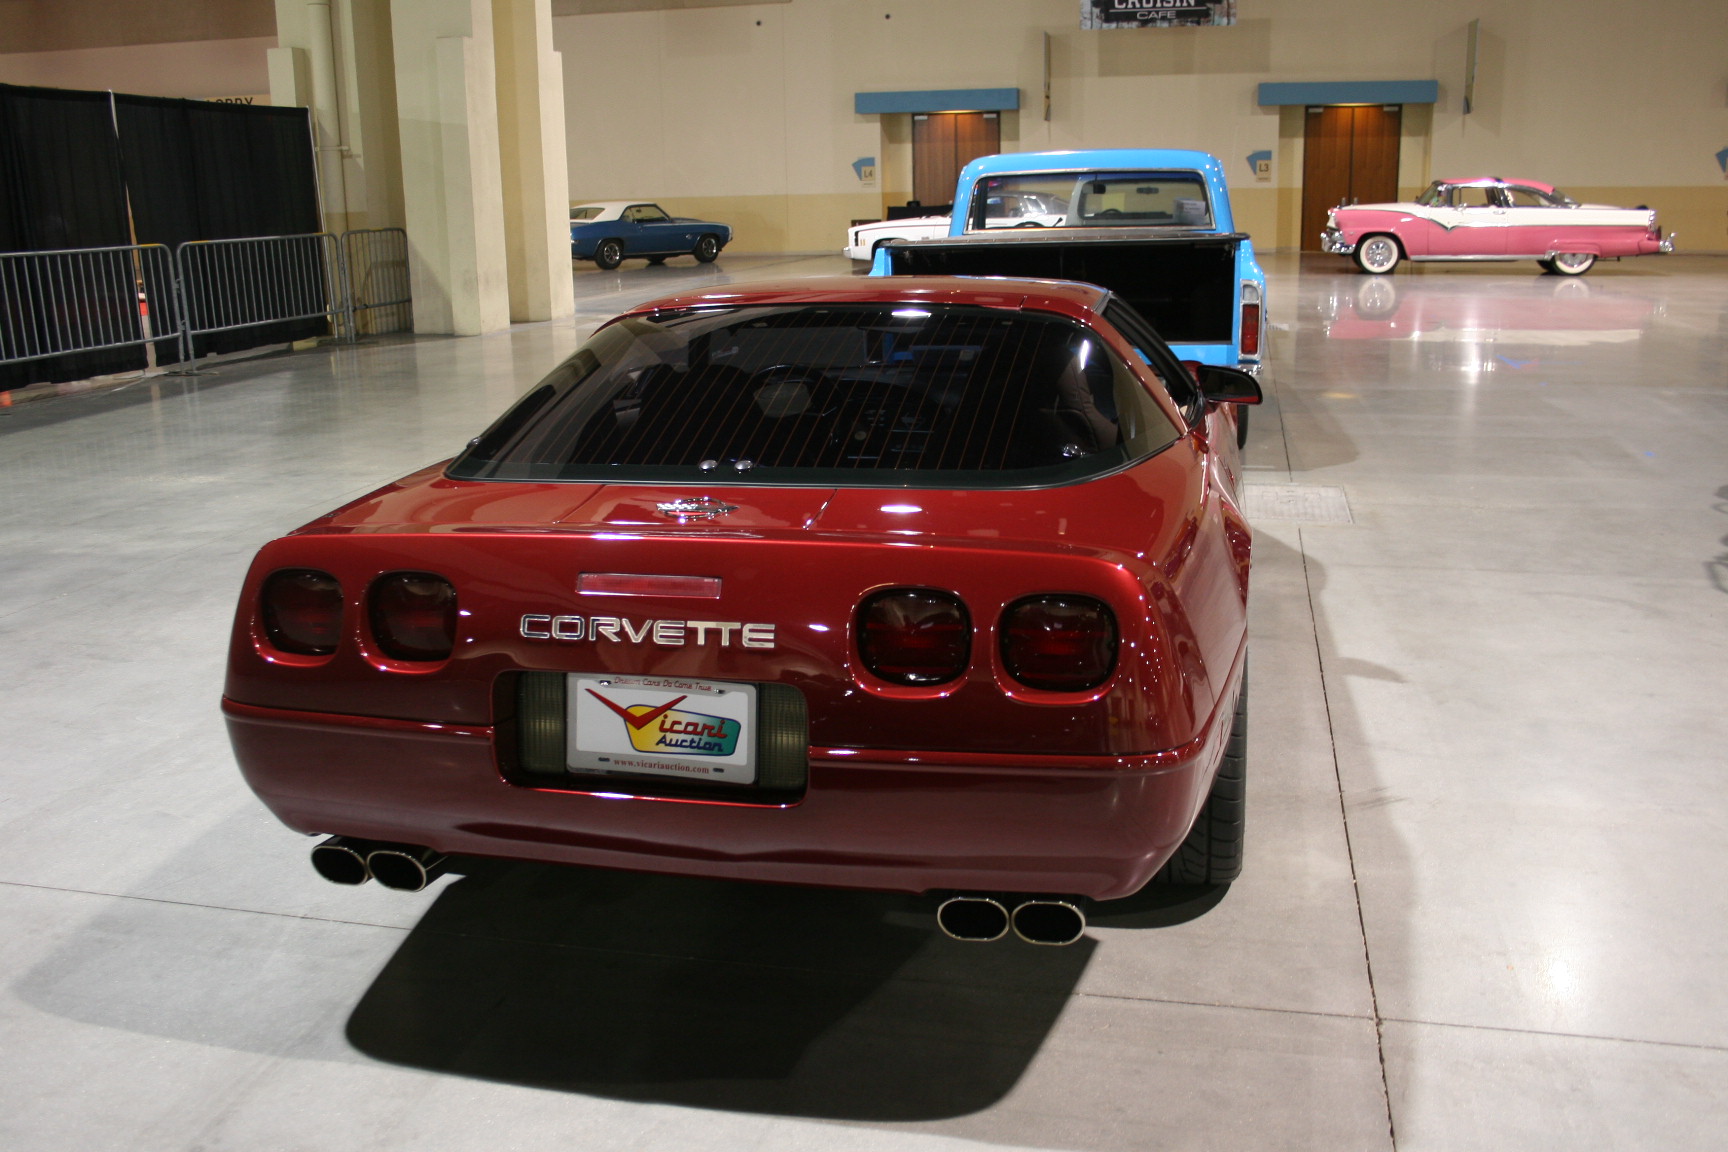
414 616
914 636
1059 643
302 611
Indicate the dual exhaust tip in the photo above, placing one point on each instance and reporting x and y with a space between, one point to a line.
1036 920
976 919
404 867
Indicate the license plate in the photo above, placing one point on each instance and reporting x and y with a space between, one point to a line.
663 726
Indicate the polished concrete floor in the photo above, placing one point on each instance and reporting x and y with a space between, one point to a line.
1483 906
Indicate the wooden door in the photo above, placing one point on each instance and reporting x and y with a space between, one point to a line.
945 142
1350 155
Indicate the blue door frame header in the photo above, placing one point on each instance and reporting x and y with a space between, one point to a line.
1352 92
937 100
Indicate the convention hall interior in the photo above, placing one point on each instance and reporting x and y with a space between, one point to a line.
1480 904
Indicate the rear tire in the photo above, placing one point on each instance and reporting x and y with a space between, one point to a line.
1570 263
1212 853
609 254
1377 254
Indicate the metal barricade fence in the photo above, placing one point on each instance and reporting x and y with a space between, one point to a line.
85 300
245 283
89 299
376 295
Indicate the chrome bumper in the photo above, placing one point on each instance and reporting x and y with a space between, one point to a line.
1667 245
1332 240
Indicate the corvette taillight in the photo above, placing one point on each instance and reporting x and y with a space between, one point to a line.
914 636
302 611
1059 643
1250 319
414 616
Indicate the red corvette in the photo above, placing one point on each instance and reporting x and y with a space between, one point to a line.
919 584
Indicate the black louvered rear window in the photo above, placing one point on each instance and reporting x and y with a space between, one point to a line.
897 395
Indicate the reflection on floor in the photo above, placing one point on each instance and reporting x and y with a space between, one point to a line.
1489 624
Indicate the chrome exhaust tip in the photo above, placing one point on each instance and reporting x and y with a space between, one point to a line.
1053 922
341 860
404 867
976 919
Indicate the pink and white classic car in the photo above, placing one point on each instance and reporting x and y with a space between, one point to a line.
1491 219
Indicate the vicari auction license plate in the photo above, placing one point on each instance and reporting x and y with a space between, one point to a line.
664 726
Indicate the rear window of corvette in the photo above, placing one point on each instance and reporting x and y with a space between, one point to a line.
882 395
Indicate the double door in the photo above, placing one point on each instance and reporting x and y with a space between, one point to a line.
1349 156
945 142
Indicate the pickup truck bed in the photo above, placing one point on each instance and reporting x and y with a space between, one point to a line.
1183 282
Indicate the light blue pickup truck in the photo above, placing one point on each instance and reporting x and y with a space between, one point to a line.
1153 225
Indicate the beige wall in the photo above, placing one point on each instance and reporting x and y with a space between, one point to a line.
745 113
197 69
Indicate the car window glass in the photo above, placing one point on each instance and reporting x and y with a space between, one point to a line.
1010 201
587 213
1473 196
1178 385
1139 199
646 214
1436 195
1527 198
939 396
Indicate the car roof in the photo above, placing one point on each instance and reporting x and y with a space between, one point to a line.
1490 181
1067 297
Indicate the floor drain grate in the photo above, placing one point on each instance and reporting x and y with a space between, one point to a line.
1296 503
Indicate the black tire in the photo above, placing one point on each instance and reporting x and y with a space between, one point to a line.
1547 267
707 248
1212 853
609 254
1377 253
656 259
1241 426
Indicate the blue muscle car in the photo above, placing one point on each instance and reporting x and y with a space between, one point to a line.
613 231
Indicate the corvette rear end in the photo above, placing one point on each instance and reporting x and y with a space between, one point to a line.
925 586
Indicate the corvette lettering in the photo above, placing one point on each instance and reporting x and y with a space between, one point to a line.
666 633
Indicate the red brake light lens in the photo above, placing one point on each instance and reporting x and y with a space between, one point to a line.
302 610
1059 643
914 636
414 616
1250 329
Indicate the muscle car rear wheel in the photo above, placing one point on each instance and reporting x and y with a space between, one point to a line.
609 254
1378 254
1569 263
707 248
1212 853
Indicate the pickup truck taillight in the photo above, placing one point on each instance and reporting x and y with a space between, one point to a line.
914 636
1059 643
1250 319
302 611
414 616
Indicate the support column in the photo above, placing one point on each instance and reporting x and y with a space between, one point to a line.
452 188
531 151
335 59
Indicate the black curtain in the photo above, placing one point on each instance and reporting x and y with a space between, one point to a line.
60 187
206 171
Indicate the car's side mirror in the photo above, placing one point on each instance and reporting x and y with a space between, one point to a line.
1221 385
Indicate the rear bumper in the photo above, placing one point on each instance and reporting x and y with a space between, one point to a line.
1097 827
